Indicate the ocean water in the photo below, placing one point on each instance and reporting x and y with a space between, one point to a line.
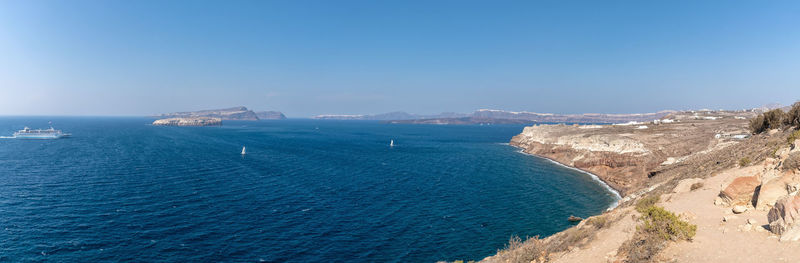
307 191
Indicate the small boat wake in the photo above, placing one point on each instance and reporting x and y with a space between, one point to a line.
7 137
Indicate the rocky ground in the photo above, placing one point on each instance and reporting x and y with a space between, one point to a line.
741 193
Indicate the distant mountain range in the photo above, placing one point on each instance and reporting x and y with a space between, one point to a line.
499 116
235 113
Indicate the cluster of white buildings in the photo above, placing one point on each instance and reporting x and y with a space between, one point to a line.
657 122
731 136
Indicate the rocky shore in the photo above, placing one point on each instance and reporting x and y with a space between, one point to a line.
735 194
193 121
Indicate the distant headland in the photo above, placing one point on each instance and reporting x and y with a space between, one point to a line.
215 117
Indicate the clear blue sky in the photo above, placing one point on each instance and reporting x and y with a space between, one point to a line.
352 57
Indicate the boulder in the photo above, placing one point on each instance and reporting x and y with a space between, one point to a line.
739 209
774 188
740 191
718 201
574 218
783 216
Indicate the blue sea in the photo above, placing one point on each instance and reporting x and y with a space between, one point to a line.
306 191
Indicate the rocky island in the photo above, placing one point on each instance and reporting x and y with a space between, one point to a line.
234 113
190 121
240 113
697 186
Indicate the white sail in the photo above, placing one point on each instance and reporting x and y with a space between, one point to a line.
391 143
243 152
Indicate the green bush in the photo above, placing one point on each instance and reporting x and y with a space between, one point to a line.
794 136
667 225
645 203
744 161
658 227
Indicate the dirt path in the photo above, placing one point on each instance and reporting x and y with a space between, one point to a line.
718 241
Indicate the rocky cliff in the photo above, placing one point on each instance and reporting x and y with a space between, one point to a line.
193 121
739 193
625 156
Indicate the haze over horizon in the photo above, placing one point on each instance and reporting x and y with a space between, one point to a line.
362 57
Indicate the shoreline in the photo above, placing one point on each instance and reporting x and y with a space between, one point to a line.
594 177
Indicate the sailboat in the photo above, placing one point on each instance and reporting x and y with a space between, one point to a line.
391 143
243 152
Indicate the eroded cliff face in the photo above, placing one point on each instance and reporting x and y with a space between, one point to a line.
625 156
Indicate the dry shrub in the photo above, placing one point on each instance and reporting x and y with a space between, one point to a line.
746 161
757 125
532 250
643 204
792 162
567 239
774 118
658 227
667 225
641 248
598 222
792 117
538 250
794 136
696 186
768 120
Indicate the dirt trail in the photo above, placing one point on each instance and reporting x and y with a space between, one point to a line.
718 241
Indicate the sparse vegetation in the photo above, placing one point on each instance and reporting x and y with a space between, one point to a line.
792 117
696 186
792 162
746 161
667 225
532 250
569 238
757 125
792 137
538 250
598 221
658 227
776 119
645 203
768 120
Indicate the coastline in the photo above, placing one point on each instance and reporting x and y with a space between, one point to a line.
594 177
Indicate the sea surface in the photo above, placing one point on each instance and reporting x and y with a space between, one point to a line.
306 191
